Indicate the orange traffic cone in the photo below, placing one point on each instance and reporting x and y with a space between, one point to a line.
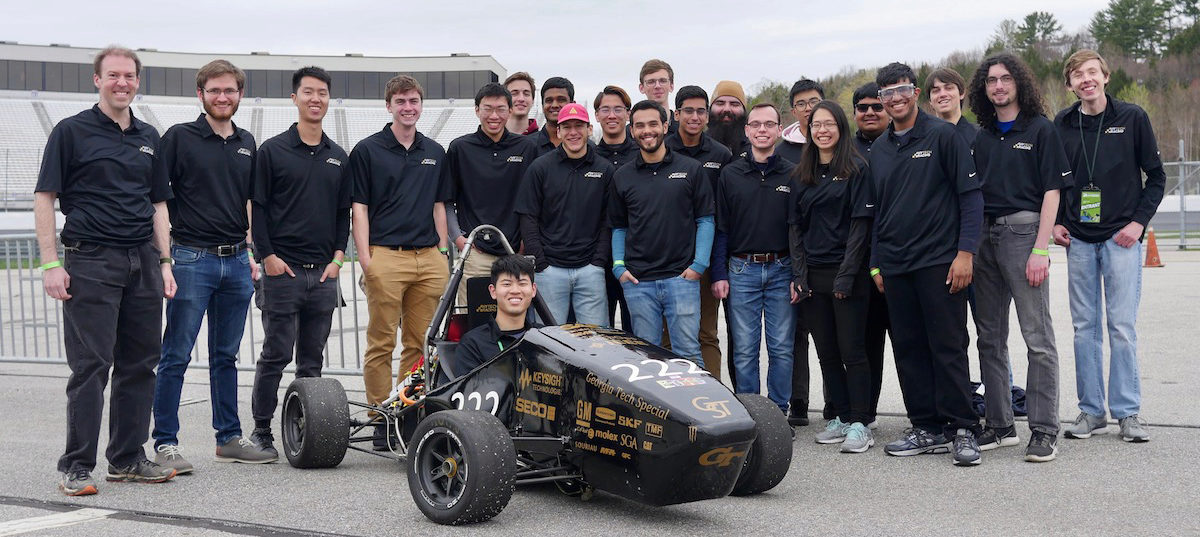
1152 259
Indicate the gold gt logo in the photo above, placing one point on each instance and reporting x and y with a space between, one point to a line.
720 457
719 409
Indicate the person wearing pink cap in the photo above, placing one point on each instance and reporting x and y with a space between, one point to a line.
564 224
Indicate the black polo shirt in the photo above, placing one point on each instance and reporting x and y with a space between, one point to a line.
210 180
658 204
301 199
709 152
917 179
752 205
1127 148
542 139
967 130
399 187
485 177
862 144
618 154
790 151
1017 168
107 180
823 211
568 198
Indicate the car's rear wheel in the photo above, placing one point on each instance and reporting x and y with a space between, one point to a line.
316 423
771 454
461 466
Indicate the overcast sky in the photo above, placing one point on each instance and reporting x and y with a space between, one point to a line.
592 42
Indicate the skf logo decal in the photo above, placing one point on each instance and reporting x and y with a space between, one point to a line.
594 175
678 175
525 378
720 457
1026 146
535 409
719 409
147 150
1114 130
244 151
783 188
583 414
429 162
713 165
923 154
516 158
333 161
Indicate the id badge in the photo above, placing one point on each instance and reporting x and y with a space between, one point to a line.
1089 206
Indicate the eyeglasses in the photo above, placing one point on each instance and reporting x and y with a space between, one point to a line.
1007 80
606 110
805 105
862 108
822 125
755 125
489 110
903 92
698 112
228 92
656 82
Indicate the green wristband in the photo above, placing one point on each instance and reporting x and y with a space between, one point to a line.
874 272
1041 252
618 263
443 250
338 263
50 265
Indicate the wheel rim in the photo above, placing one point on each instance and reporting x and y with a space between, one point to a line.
442 468
293 423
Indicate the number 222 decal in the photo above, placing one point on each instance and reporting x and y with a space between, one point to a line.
462 402
635 372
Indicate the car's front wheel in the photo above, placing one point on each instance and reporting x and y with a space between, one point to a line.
461 466
316 423
771 454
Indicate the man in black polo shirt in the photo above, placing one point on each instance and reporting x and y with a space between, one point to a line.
486 169
556 93
208 162
804 95
661 211
929 213
399 182
656 80
947 90
101 165
301 218
616 145
691 110
727 115
869 117
563 223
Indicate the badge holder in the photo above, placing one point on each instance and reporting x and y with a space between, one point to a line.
1089 205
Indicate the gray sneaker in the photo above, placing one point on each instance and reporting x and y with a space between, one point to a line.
1133 430
143 471
858 438
966 449
1086 425
239 449
169 455
77 483
834 433
263 438
917 441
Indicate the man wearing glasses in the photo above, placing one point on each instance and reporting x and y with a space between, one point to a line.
929 211
805 94
616 145
691 109
656 81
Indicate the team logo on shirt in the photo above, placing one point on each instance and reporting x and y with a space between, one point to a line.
429 162
147 150
333 161
783 188
516 158
713 165
923 154
836 178
244 151
1023 145
1114 130
593 175
678 175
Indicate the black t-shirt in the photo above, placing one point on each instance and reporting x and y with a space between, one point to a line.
618 154
210 179
967 130
710 153
1017 168
790 151
399 187
752 205
1127 148
568 198
823 211
107 180
658 204
301 199
485 178
917 179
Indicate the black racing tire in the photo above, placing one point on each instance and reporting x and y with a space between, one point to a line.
770 455
316 423
461 467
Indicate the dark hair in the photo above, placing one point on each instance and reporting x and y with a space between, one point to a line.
1029 98
654 65
804 85
313 71
893 73
513 265
615 91
558 82
870 90
521 76
647 104
402 84
218 68
778 115
493 89
690 92
946 75
844 153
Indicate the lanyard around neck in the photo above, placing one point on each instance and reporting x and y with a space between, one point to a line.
1091 163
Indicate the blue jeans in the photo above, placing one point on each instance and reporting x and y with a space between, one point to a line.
1092 269
220 286
678 300
582 288
758 293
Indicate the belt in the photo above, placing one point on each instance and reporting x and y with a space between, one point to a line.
224 250
761 258
407 248
310 265
1017 218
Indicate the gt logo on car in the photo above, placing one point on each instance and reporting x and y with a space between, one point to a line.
719 409
720 457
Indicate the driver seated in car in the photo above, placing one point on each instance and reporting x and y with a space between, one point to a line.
513 289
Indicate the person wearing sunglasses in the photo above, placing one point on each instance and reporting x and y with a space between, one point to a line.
869 117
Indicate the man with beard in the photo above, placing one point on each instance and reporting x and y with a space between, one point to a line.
947 90
729 111
521 86
556 93
300 224
804 95
656 81
616 145
691 107
872 121
661 211
208 162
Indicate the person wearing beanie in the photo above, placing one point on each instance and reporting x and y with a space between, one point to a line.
729 111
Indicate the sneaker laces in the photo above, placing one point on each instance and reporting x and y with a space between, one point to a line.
246 442
170 450
856 433
1040 439
79 475
834 424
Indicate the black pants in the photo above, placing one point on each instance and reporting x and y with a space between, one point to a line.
929 336
297 315
837 327
112 321
877 328
616 296
800 375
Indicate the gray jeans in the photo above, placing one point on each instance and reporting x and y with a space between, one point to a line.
999 280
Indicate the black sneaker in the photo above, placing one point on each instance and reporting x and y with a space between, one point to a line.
385 438
993 438
917 441
143 471
265 440
966 449
77 483
798 414
1043 447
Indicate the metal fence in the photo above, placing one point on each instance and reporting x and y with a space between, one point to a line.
1183 180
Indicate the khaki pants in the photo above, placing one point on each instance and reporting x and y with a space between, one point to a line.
400 285
479 263
710 345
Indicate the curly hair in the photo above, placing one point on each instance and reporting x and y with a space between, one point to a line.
1029 97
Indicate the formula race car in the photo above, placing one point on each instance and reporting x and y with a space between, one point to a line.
580 406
